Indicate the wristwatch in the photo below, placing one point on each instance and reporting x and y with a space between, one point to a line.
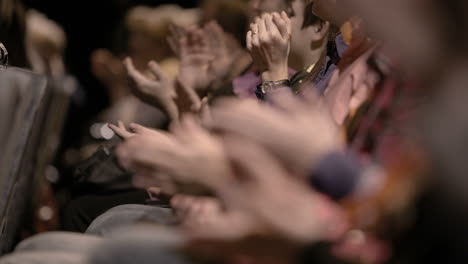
269 86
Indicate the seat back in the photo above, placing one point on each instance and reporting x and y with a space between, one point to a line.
22 108
60 91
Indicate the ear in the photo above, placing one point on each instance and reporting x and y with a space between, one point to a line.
321 30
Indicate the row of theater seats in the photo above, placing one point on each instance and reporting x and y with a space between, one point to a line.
32 112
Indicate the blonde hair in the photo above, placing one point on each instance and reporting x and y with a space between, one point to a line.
43 32
155 21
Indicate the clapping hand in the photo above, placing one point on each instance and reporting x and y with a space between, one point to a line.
268 41
298 131
159 91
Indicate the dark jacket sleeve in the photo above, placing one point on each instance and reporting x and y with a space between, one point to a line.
337 175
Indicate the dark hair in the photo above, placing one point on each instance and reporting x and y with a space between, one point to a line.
309 18
455 23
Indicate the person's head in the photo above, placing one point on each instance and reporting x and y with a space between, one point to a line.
328 10
148 30
309 32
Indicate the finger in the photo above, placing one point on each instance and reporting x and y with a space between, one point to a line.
121 131
216 32
201 41
205 113
264 35
184 46
196 208
173 44
121 125
203 58
175 31
281 26
139 129
175 201
183 206
249 41
154 192
211 36
255 38
132 72
253 28
287 20
270 26
157 71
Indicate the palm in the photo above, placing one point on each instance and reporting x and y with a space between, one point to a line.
195 70
159 92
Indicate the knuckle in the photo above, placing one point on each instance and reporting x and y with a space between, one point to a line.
265 39
277 38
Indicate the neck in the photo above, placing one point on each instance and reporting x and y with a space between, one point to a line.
299 61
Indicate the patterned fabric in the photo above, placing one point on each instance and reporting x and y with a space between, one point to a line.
371 118
319 78
376 130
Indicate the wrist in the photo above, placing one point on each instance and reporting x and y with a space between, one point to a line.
276 74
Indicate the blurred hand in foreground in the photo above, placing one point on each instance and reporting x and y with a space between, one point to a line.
298 132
